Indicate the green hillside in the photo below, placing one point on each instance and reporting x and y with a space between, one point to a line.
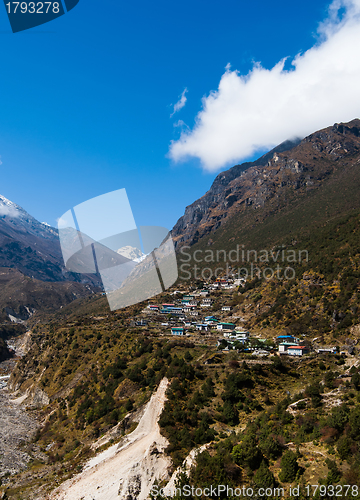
97 369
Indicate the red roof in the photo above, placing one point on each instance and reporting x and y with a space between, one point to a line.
297 347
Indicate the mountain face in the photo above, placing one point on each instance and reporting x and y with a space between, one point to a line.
21 296
252 192
32 247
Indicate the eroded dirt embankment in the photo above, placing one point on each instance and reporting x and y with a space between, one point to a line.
128 469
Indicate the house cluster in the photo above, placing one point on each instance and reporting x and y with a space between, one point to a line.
188 310
287 344
227 283
208 324
242 340
186 314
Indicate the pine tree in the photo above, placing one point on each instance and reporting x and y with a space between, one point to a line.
289 467
247 453
264 477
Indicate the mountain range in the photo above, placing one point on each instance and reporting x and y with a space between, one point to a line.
32 247
294 189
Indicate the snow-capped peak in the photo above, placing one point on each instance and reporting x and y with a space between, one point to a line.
9 208
15 215
131 253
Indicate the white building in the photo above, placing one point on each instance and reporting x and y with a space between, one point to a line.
226 326
193 313
297 350
331 350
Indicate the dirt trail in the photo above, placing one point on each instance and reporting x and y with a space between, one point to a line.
128 469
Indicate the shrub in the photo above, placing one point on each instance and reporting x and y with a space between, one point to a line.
334 475
355 380
313 391
271 448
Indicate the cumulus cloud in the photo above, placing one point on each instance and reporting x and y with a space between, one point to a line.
181 102
267 106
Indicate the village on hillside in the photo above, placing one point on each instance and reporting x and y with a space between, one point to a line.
206 317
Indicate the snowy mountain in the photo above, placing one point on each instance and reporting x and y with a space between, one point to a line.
32 247
33 276
15 216
131 253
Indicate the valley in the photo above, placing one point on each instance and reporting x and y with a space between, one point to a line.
252 379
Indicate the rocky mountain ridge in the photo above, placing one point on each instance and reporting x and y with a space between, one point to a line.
266 185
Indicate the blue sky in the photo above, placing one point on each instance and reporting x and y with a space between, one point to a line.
86 99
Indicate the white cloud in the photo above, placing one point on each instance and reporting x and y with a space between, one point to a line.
180 123
265 107
9 211
181 102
